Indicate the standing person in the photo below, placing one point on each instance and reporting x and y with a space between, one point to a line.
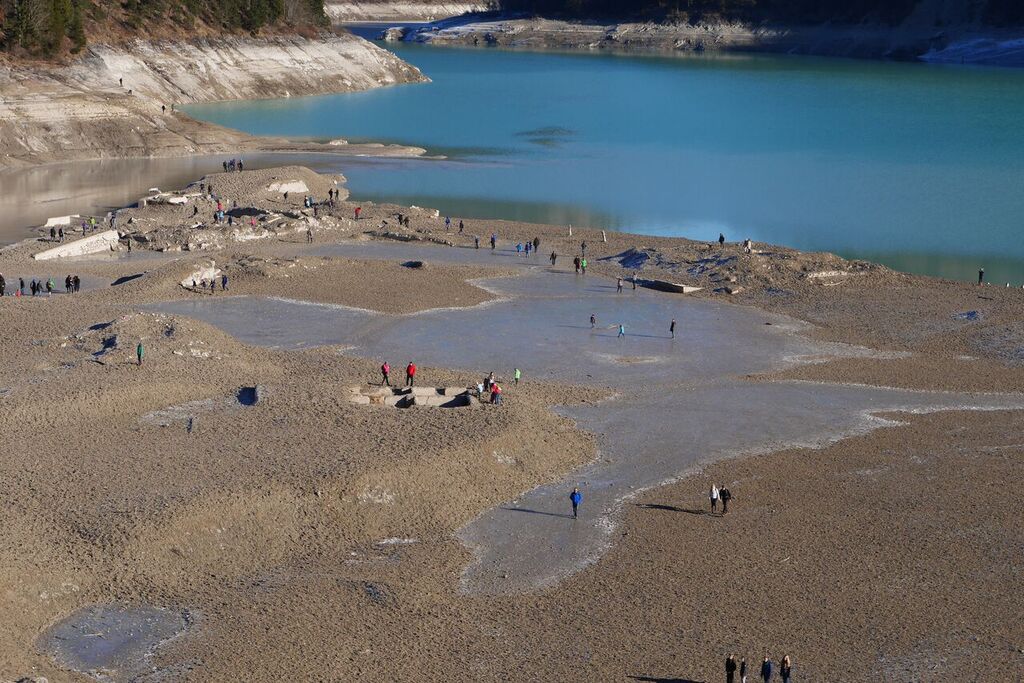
618 286
53 238
721 239
593 321
447 223
77 281
410 374
309 235
516 375
785 669
536 245
576 263
139 352
519 248
67 284
3 284
385 374
49 287
462 226
622 330
583 248
21 285
60 234
981 275
495 394
714 499
743 670
634 280
672 328
359 210
576 498
213 286
766 670
494 241
730 669
554 257
726 495
476 241
223 283
583 265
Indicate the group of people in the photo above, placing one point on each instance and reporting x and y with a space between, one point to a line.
233 165
720 493
211 284
622 326
732 668
410 374
72 283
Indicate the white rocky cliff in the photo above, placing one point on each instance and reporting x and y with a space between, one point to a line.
83 111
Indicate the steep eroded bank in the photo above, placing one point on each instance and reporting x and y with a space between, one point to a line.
118 101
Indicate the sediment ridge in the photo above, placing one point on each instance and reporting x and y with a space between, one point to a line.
120 101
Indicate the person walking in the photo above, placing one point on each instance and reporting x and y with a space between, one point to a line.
462 226
536 245
583 265
139 352
410 374
53 236
593 321
730 669
622 330
358 211
726 495
618 286
743 670
786 669
981 276
494 241
714 499
576 498
309 235
672 328
223 283
766 670
385 374
554 257
476 241
516 375
576 263
721 239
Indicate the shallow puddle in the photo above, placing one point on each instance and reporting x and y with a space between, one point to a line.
113 642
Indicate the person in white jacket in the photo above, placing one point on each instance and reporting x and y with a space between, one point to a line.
714 499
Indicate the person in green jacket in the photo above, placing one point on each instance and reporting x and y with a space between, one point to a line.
518 374
138 352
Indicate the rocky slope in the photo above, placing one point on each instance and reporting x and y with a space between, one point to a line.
86 110
408 10
914 39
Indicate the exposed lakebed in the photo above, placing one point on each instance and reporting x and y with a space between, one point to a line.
679 403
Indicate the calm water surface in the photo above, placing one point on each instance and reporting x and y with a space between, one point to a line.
915 166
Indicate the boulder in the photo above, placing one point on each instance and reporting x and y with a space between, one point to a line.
93 244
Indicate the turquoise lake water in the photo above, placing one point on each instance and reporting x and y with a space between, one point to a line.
919 167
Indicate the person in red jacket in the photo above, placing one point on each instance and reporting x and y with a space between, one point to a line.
385 371
410 374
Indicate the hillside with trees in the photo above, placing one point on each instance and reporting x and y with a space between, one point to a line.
49 28
986 12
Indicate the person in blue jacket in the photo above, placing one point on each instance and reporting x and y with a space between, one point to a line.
766 670
576 497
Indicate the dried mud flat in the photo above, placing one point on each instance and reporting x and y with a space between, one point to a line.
316 538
